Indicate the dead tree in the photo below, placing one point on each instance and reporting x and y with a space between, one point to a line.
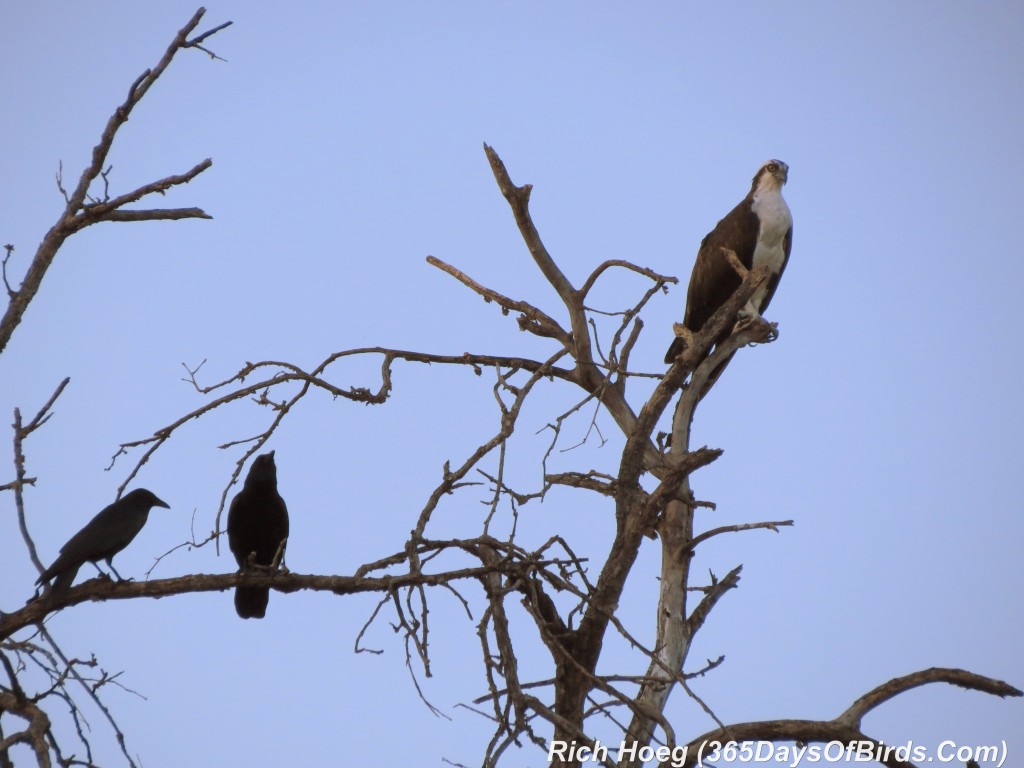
573 603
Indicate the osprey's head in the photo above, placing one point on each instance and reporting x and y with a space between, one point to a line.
770 176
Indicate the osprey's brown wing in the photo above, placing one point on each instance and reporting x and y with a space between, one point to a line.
713 281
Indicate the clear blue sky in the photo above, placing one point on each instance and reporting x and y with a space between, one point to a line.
346 139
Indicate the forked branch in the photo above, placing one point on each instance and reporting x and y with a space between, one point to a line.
80 212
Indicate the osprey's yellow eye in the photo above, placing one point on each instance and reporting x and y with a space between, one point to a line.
772 167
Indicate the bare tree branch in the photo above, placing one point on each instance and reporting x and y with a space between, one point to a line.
959 677
532 320
845 728
103 588
22 431
78 213
35 732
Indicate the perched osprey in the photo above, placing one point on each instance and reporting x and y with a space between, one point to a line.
759 231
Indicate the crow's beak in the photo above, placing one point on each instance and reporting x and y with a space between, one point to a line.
159 503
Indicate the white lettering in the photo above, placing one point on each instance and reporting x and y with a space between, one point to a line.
627 752
679 757
568 750
864 751
834 751
944 755
557 749
985 754
764 752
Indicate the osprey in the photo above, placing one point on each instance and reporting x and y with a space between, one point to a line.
760 232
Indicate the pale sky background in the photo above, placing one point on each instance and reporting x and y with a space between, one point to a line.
346 139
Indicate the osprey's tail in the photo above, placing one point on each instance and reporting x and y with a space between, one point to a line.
677 347
674 350
715 375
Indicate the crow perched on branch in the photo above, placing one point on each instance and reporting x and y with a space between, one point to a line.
104 536
257 529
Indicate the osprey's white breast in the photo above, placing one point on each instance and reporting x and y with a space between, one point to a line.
776 221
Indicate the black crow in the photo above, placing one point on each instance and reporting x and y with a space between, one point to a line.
102 537
257 528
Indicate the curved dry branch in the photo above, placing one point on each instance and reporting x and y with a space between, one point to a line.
533 320
660 280
845 729
287 373
959 677
771 525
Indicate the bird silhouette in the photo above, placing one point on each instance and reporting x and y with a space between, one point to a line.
257 529
110 531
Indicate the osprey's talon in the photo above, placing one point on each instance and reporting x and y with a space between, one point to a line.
745 320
